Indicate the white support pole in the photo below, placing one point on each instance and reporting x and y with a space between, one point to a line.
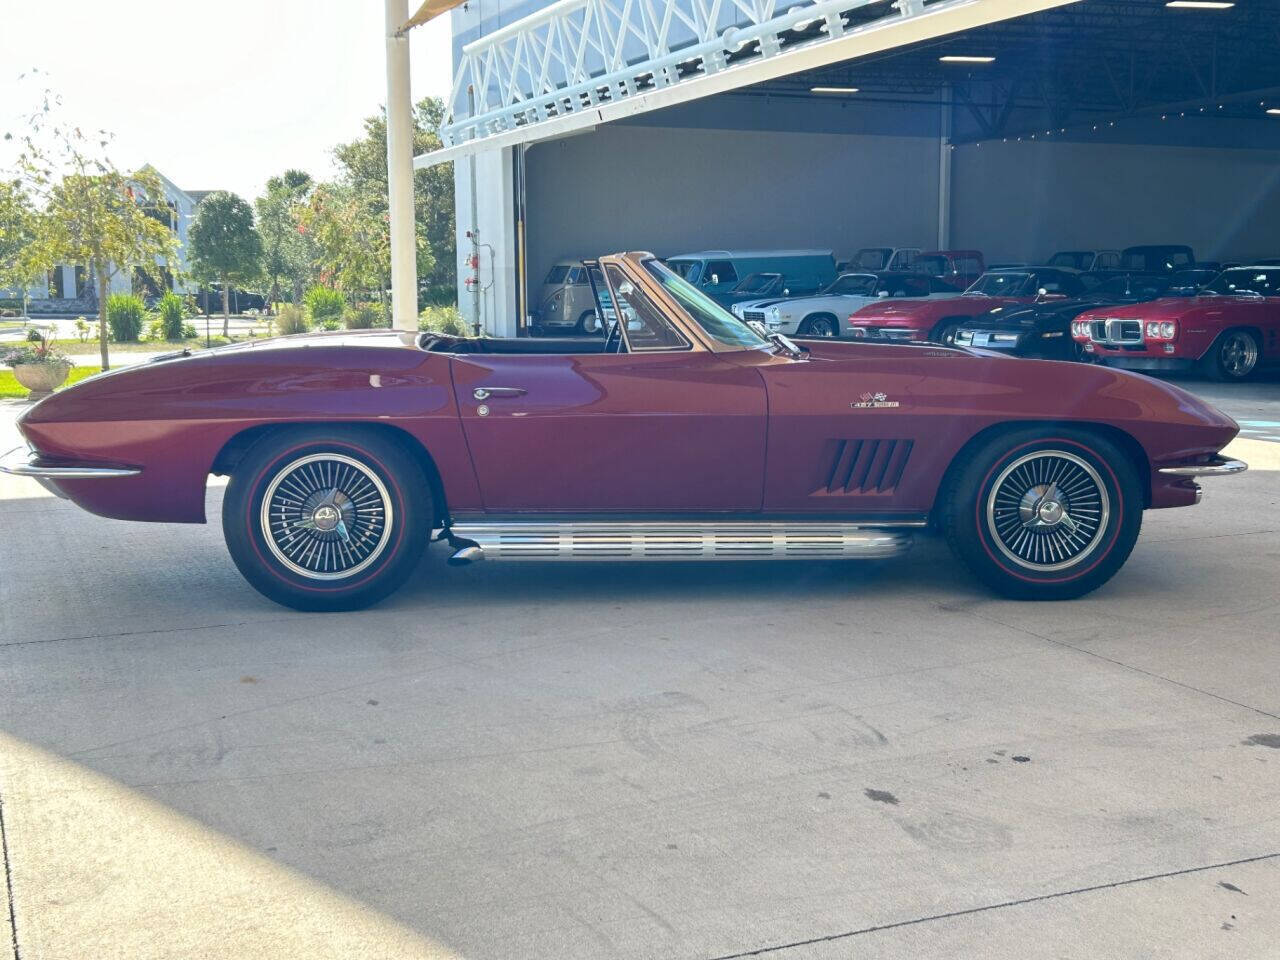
944 171
404 254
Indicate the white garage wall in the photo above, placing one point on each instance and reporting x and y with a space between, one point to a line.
1022 201
678 190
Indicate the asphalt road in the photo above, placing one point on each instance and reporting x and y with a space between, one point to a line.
643 761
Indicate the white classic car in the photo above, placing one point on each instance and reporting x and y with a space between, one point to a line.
826 314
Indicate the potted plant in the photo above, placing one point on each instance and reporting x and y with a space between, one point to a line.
38 365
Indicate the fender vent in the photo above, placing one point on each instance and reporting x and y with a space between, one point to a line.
863 466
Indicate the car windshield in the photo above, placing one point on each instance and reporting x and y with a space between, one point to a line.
1132 286
686 269
933 266
1263 281
716 321
1003 284
1075 259
557 274
872 258
860 284
757 282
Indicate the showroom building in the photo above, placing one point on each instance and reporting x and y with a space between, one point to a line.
1015 128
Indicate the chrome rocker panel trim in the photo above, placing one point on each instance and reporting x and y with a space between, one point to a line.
1219 468
21 462
671 541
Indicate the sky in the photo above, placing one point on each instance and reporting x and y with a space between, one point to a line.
219 95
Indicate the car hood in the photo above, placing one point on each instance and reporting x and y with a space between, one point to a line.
1165 308
931 309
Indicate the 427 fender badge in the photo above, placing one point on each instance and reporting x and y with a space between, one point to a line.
876 400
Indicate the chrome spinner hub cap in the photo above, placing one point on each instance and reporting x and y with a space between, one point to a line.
326 516
1048 510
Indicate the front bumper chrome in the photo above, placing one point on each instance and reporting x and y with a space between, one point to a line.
21 462
1216 468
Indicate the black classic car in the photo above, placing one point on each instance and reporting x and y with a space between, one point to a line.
1043 329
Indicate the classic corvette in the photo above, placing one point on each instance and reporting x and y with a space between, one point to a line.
682 434
1228 330
938 320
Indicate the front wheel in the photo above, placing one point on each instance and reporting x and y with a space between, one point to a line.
1233 356
327 518
945 333
821 326
1041 516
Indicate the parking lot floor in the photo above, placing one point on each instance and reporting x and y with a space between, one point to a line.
642 761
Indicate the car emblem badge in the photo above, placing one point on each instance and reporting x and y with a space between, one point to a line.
873 400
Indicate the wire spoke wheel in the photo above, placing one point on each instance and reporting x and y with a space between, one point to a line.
1048 510
326 516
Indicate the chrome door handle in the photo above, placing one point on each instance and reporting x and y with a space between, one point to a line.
484 393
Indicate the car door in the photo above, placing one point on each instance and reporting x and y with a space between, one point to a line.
663 425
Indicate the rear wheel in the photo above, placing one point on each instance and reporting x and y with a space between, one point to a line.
1233 356
327 518
587 324
1043 517
822 325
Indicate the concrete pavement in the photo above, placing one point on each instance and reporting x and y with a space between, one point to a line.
643 761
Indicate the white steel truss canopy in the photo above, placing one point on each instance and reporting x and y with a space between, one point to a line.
579 63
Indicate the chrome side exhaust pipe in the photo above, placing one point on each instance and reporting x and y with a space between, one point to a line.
466 554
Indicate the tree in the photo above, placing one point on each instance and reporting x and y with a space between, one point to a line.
93 214
351 238
363 165
21 263
288 251
225 245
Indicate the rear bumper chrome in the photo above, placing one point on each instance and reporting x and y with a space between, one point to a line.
21 462
1216 468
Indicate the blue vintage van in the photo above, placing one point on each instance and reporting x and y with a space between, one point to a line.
730 275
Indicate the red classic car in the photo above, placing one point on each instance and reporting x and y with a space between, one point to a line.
938 320
1228 330
681 434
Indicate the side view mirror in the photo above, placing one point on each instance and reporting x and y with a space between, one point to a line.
1042 292
715 279
786 292
882 293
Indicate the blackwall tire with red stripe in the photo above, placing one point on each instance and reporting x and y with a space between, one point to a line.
327 517
1043 513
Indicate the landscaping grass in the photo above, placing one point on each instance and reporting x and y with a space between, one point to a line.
141 346
10 387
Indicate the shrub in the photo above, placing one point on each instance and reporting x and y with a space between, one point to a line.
324 304
189 331
366 316
171 315
291 320
446 319
83 329
124 317
331 323
34 335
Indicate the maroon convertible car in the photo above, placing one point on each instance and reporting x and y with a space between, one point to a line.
681 434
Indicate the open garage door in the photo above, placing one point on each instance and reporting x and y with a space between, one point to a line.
1019 131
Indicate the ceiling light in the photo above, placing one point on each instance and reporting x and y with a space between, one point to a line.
1201 4
957 59
1274 111
833 89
